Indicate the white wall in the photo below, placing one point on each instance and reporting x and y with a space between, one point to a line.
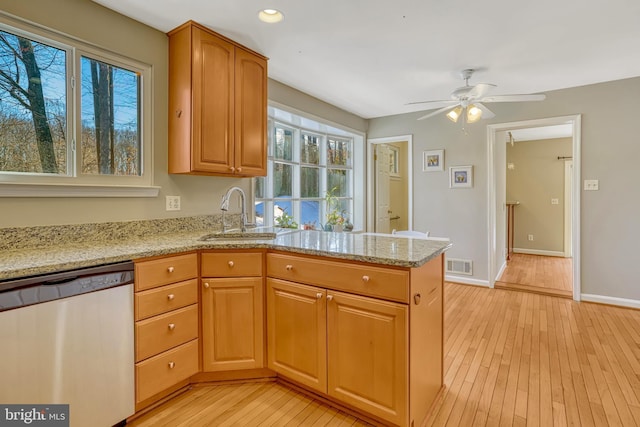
610 230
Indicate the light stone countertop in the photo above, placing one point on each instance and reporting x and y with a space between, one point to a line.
372 248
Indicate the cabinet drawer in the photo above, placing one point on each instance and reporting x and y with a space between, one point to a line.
158 272
165 331
359 279
166 369
166 298
231 264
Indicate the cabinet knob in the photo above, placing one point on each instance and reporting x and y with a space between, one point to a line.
319 295
206 285
170 269
289 267
239 170
329 297
172 326
170 297
172 365
416 299
232 169
365 278
230 264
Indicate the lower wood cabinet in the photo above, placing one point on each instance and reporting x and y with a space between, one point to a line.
297 332
381 357
232 311
350 347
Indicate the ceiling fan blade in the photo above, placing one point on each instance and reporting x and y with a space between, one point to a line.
441 110
480 90
486 113
514 98
428 105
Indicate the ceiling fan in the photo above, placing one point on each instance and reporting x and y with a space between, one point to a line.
469 99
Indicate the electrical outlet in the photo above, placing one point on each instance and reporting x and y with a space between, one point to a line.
591 184
530 237
173 203
554 201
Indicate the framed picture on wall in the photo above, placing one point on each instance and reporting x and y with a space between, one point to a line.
394 161
433 161
461 177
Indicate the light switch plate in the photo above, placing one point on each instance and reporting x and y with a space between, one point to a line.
591 184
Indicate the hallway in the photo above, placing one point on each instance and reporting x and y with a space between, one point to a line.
540 274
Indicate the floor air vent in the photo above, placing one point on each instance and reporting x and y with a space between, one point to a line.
461 266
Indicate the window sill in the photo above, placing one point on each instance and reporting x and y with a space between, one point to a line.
57 190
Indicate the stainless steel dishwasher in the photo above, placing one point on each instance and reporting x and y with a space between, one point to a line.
67 338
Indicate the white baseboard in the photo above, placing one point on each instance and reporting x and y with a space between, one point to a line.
603 299
538 252
466 280
504 266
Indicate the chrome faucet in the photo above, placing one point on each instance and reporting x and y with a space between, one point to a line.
224 207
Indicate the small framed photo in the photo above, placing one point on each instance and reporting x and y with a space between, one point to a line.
433 160
461 177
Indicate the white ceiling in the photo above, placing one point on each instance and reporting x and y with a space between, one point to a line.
371 57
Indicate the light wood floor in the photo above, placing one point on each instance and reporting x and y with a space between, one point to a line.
511 359
245 404
544 274
516 358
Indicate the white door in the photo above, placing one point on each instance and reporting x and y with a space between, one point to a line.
383 158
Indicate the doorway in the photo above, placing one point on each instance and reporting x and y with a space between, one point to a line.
389 184
545 255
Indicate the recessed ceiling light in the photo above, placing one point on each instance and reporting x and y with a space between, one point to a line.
270 16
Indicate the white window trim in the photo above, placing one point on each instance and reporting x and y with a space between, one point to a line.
41 185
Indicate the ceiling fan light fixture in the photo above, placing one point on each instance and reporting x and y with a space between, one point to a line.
473 113
454 114
270 16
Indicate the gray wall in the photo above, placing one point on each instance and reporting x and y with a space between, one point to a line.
610 230
93 23
538 177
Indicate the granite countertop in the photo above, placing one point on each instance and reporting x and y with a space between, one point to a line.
373 248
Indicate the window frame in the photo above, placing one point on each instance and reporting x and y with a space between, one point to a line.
74 183
355 171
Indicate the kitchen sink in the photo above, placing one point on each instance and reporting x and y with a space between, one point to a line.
255 233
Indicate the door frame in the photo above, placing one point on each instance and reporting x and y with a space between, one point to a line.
371 177
568 207
493 245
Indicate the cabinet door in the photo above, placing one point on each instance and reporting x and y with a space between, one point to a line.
213 103
296 330
368 354
232 324
251 114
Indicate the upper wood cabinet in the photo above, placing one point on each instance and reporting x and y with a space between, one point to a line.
217 105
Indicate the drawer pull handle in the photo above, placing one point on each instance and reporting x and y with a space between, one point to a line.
206 285
365 278
170 269
172 365
329 297
230 264
319 295
170 297
289 267
172 326
179 113
416 299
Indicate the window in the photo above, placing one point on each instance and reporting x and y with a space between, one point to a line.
305 164
59 128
